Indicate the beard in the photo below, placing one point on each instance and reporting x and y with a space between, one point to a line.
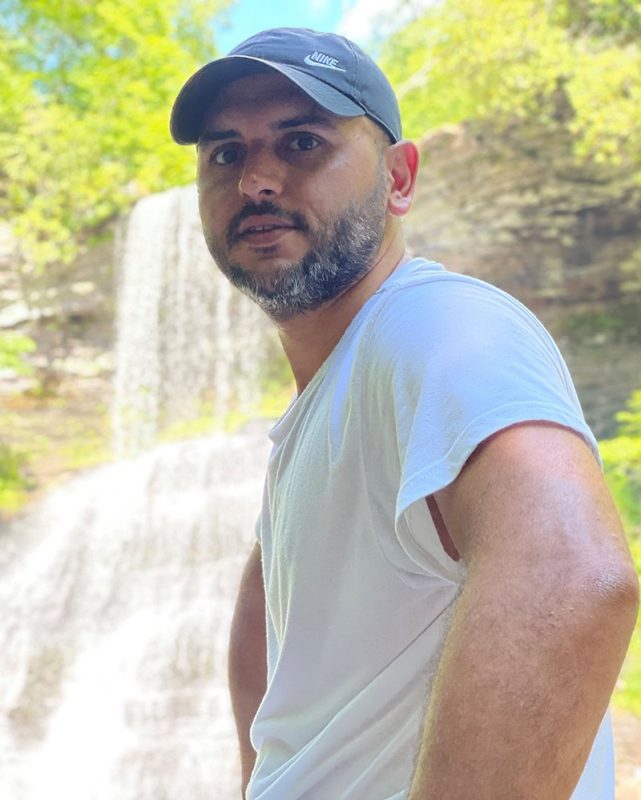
342 251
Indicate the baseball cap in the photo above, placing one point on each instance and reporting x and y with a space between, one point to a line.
329 68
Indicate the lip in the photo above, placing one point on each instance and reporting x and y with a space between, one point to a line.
266 238
262 221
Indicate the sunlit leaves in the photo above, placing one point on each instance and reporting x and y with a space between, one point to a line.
616 20
85 95
13 347
622 460
605 90
577 61
474 58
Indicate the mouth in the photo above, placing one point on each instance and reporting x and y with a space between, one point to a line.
262 223
263 230
254 229
265 236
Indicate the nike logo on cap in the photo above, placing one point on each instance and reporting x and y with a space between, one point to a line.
317 59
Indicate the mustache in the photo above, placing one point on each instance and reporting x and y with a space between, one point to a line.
264 208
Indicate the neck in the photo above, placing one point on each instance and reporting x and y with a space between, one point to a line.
309 338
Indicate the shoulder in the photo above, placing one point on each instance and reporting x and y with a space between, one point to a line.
452 318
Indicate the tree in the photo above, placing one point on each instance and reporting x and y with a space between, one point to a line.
575 62
84 107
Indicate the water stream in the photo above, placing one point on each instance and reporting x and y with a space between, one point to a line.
187 343
117 590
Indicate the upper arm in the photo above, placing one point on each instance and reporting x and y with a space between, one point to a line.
254 569
534 494
251 593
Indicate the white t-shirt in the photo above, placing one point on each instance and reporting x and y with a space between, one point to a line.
359 590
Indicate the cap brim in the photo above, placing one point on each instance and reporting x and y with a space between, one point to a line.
200 90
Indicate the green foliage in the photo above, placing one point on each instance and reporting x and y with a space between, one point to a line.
13 347
87 449
276 392
618 20
622 461
45 440
604 88
631 416
628 690
14 482
86 90
473 58
576 62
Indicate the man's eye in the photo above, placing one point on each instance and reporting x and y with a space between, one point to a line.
226 155
304 141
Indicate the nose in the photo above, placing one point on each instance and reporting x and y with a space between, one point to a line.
261 176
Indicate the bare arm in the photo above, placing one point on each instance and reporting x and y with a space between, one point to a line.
247 657
540 629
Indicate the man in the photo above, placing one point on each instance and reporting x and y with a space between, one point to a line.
440 596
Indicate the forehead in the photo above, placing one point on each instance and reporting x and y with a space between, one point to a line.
258 93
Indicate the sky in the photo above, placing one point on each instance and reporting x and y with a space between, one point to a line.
353 18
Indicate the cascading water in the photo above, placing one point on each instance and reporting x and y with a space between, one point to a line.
117 591
187 342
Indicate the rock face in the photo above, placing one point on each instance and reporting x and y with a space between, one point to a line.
69 311
517 210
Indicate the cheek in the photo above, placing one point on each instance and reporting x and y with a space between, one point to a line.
207 188
202 208
328 190
350 175
214 183
213 204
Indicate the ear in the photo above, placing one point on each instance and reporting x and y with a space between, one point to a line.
402 165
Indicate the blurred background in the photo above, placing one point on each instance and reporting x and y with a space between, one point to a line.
136 387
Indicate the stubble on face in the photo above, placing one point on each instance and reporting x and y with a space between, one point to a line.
342 251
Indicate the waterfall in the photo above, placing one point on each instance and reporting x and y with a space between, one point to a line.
117 590
187 342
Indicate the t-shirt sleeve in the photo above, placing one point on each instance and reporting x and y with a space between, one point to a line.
454 361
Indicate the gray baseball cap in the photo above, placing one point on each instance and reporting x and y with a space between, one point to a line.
332 70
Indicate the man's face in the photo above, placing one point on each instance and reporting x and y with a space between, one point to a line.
293 199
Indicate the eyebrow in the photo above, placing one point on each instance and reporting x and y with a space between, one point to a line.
307 119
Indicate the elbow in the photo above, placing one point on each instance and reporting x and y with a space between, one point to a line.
619 585
603 604
614 589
